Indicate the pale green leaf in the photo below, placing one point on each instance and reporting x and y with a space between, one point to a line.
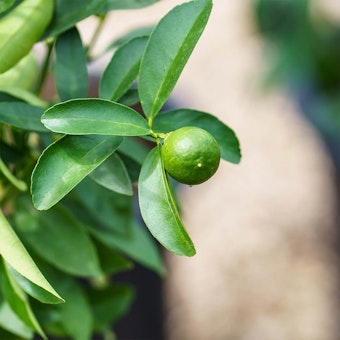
21 28
13 251
17 300
22 75
10 322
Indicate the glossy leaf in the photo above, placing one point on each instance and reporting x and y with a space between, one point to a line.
138 245
13 251
65 163
71 74
110 304
94 116
224 135
170 46
5 4
67 13
58 238
122 70
12 323
158 207
21 28
22 115
126 4
32 289
17 300
113 175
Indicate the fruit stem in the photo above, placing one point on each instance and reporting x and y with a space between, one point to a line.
150 121
158 135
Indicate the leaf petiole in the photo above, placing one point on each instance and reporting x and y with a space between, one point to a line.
20 185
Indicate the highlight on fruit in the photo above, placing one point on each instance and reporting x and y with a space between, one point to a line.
190 155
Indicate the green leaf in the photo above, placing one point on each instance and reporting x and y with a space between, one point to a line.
21 94
53 235
138 245
65 163
130 98
126 4
224 135
12 323
76 314
122 70
158 207
22 116
22 75
71 74
21 28
112 261
133 167
110 304
5 4
94 116
68 13
138 32
113 175
169 48
32 289
103 209
17 300
134 148
12 250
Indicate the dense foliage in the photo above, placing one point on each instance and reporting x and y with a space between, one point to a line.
70 168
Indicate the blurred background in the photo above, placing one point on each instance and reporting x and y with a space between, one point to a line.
266 231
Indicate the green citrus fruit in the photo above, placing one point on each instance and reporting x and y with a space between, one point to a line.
191 155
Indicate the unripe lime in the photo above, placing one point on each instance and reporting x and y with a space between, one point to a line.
191 155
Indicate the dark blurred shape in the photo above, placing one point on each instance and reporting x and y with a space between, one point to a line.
306 61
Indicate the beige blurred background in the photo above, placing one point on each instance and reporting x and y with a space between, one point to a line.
266 267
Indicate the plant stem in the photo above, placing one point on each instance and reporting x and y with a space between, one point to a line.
45 66
95 35
20 185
